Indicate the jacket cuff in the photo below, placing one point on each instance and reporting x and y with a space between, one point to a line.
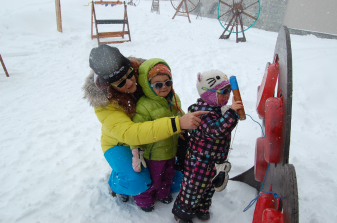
175 125
233 113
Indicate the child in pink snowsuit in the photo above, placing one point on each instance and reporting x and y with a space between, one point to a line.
206 168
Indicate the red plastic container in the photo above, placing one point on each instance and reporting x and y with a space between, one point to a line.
273 129
260 165
267 87
263 202
271 215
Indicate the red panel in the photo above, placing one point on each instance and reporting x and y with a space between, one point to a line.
271 215
263 202
261 165
267 88
273 129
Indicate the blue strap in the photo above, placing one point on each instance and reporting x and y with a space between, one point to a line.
255 199
257 123
265 175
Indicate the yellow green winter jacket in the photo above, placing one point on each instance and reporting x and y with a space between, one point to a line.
117 126
153 107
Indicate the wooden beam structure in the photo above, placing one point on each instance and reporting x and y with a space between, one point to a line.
155 6
96 22
182 14
58 15
107 2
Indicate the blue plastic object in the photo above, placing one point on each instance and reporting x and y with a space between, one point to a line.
234 83
176 181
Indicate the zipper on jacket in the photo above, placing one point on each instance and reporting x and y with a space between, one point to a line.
151 150
173 135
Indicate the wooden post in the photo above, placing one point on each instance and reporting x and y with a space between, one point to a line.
92 22
3 66
188 15
58 15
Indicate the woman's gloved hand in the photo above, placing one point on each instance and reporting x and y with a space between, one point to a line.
138 159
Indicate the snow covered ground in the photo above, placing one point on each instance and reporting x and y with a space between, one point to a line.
52 168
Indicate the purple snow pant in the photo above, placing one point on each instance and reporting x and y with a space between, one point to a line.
162 173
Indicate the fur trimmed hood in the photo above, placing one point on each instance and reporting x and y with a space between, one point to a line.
94 95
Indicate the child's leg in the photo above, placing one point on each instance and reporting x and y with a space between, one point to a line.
156 169
206 200
196 181
180 209
166 179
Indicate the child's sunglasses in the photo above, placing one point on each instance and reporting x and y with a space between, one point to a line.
123 82
159 85
224 91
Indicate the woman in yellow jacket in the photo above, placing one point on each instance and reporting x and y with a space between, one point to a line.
111 88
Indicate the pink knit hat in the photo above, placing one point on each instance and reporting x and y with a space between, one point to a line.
215 80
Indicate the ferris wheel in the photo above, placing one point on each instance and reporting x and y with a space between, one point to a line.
237 14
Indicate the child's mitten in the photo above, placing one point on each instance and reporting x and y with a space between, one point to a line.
138 159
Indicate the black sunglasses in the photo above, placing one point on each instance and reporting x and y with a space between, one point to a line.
226 91
123 82
159 85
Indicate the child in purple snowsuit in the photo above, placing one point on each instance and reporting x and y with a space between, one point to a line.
206 169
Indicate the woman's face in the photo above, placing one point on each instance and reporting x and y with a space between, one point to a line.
130 85
164 91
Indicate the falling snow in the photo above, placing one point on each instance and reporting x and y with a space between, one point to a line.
52 166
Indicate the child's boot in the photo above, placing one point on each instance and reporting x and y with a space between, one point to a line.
167 200
204 216
123 197
148 209
220 180
182 220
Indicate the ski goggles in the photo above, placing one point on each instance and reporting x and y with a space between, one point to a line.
159 85
123 82
224 91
